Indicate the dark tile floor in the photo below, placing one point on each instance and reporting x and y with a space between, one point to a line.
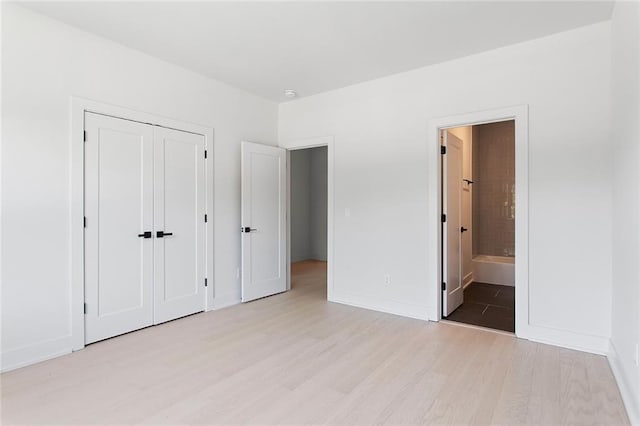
487 305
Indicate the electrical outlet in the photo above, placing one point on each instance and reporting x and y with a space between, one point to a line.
387 279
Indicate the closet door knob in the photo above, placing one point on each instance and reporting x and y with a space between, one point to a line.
145 234
162 234
463 229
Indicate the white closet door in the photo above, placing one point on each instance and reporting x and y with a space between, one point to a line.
179 236
118 210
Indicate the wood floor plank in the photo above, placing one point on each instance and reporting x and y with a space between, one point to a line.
294 358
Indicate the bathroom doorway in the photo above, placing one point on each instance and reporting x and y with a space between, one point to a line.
478 224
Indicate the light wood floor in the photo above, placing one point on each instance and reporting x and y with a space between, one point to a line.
294 358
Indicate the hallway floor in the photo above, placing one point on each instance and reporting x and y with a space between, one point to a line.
487 305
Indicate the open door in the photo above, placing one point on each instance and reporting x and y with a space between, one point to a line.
263 221
452 289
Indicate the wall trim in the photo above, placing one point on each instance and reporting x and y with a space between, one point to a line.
520 114
631 401
467 280
222 302
78 107
388 306
598 345
296 144
38 352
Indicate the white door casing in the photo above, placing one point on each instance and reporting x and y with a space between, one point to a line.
519 113
118 208
179 219
141 182
263 220
451 235
307 143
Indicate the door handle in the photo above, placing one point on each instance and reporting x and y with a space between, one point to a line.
463 229
161 234
247 229
145 234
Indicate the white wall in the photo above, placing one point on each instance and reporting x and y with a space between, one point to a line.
380 176
44 62
309 204
465 134
625 330
318 203
300 209
380 154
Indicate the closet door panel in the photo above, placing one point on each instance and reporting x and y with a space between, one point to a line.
118 207
179 217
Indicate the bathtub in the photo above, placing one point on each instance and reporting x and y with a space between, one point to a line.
494 269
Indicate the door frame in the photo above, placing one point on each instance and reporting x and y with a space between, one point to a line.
78 107
520 114
295 145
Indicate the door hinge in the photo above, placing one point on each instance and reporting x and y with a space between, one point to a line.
443 150
443 218
84 222
205 218
205 282
85 308
444 286
205 153
84 135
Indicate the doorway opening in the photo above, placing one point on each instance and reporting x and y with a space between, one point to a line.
308 220
478 224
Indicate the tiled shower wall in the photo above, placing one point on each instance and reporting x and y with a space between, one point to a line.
494 189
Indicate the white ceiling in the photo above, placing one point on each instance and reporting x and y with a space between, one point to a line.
312 47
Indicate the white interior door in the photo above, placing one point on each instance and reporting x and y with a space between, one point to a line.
118 212
179 234
451 231
263 221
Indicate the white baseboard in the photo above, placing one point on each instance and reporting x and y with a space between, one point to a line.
224 302
32 354
389 307
310 258
565 339
631 401
468 279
